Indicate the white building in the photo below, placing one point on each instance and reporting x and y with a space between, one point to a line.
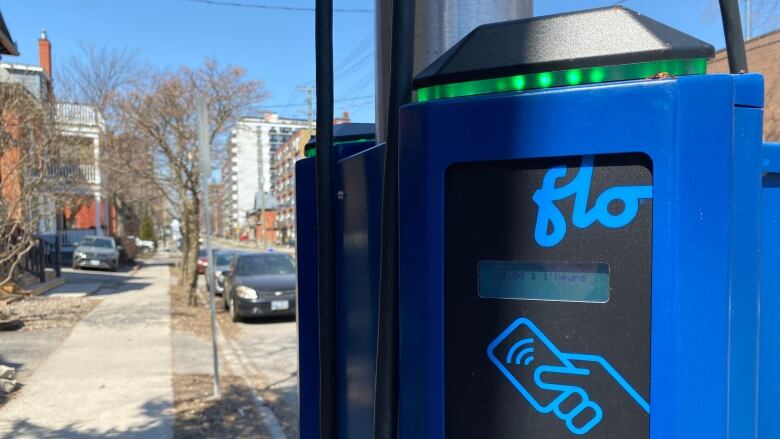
253 142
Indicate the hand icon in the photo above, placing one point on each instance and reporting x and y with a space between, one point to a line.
574 405
573 402
561 376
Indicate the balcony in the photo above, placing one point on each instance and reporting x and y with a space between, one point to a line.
79 120
77 114
76 173
72 178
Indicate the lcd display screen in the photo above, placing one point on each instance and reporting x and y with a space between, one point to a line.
553 281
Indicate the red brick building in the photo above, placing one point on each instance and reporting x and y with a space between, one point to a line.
75 197
264 230
763 53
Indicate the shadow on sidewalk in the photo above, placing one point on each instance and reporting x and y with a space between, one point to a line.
159 426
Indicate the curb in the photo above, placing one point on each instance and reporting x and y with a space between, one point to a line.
236 360
41 288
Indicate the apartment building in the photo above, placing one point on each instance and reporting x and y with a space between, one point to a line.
249 168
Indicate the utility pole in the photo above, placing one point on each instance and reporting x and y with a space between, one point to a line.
309 90
261 186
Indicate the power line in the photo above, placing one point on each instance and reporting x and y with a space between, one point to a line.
277 8
303 104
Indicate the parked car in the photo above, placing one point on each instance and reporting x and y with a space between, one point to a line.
260 284
97 252
203 260
223 260
145 246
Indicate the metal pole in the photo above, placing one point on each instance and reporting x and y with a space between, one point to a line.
732 29
383 33
749 14
441 24
205 173
57 229
326 244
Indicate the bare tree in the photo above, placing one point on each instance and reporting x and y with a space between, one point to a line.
100 76
763 16
758 16
161 111
26 147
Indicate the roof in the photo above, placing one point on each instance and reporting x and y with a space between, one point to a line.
7 45
269 201
763 54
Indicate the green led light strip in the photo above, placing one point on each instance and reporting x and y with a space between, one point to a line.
312 152
591 75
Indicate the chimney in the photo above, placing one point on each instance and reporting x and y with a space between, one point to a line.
343 119
44 53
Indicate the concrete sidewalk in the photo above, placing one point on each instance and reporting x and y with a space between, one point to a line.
110 378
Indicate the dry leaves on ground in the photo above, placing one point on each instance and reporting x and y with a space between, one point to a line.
39 313
198 415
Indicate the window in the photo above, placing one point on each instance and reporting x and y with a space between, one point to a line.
264 264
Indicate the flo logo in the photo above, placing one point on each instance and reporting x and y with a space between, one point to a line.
550 223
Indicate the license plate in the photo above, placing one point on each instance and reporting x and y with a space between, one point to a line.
94 262
280 305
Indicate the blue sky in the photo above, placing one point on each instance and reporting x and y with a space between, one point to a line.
275 46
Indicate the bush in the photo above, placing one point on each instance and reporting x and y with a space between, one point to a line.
147 229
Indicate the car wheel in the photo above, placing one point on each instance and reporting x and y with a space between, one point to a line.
233 311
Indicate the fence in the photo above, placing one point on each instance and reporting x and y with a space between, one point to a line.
68 238
42 255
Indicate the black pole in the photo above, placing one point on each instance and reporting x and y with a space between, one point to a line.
323 29
57 249
41 260
732 29
387 380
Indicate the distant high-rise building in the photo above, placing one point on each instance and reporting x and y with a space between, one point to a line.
284 189
284 160
249 169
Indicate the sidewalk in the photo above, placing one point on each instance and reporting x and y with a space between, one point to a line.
110 378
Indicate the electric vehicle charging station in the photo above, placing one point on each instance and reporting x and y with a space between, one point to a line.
587 226
583 260
357 279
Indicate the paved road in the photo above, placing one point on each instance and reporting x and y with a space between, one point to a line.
272 346
268 353
111 375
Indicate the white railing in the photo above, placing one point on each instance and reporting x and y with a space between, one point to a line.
78 114
73 173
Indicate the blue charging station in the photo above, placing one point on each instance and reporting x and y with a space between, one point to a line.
588 243
357 219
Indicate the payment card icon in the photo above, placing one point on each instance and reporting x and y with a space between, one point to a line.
527 358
